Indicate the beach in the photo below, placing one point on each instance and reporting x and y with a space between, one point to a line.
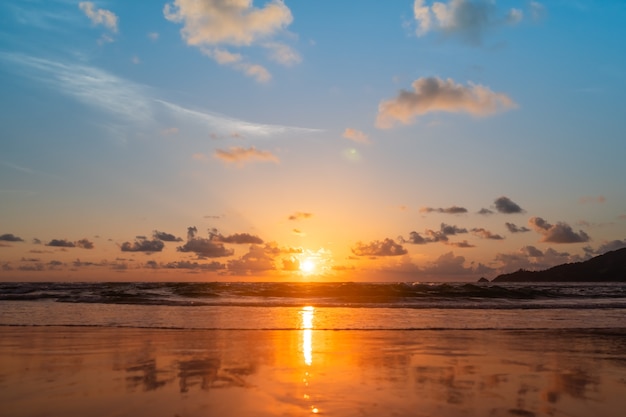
106 371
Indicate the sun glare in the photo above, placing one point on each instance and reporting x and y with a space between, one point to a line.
307 266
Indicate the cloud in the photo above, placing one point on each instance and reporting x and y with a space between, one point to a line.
153 36
355 135
259 258
10 237
223 57
448 264
533 259
387 247
451 229
195 266
127 100
143 245
557 233
465 19
485 234
505 205
415 238
431 236
537 10
607 246
516 229
227 125
589 199
84 243
202 247
447 210
213 23
283 54
433 94
61 243
240 155
300 215
463 244
237 238
91 86
97 16
166 237
485 212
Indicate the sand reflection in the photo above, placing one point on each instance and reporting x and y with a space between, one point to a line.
127 372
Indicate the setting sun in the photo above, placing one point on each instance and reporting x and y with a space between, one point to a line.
307 266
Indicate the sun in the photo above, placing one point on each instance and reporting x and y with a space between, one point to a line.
307 266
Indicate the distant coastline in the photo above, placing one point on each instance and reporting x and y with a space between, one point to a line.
609 267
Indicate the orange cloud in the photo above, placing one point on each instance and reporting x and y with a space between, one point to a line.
355 135
432 94
299 215
99 16
211 23
240 155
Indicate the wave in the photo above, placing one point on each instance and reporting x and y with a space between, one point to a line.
343 294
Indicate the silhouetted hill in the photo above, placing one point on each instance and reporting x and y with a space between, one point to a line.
610 267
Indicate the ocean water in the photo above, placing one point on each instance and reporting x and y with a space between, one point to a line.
320 306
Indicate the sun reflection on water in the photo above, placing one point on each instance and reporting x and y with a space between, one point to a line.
307 315
307 334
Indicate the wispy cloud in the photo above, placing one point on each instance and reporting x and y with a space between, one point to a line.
433 94
127 100
228 124
89 85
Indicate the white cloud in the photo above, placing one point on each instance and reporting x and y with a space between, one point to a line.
212 24
127 100
423 17
232 22
432 94
90 85
228 125
97 16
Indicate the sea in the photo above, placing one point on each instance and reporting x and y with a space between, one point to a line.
315 305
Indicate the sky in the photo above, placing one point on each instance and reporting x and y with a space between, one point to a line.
235 140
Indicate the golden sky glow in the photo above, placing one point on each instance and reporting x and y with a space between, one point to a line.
408 141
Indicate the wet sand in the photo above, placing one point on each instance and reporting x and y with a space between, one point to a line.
87 371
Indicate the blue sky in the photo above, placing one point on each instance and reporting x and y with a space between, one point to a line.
404 140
